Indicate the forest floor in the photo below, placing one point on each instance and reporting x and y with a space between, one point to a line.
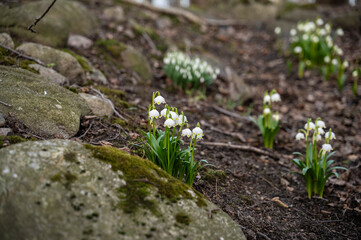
255 189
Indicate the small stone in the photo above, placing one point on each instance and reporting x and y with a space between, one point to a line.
6 40
96 76
115 14
2 120
79 42
99 106
50 74
5 131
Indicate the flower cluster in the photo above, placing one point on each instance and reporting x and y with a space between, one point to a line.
164 147
187 72
312 42
268 122
314 165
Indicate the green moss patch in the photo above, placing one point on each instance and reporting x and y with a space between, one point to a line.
182 218
141 177
112 47
9 140
84 63
211 175
65 178
7 60
112 94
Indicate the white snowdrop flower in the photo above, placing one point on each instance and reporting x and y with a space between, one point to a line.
6 170
321 124
177 68
166 60
328 27
277 30
158 100
327 59
276 117
297 49
355 73
174 115
153 114
169 123
266 99
201 80
163 113
319 22
276 97
186 132
321 131
305 37
318 137
266 111
293 32
345 64
300 136
339 32
338 50
294 39
327 147
323 32
327 135
315 39
309 126
180 120
198 132
311 26
217 71
334 61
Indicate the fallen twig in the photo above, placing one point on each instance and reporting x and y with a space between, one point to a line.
229 113
23 55
241 147
150 42
239 136
6 104
30 28
111 104
90 126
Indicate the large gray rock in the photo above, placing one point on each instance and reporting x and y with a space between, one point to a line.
65 63
44 107
50 74
6 40
79 42
99 106
63 18
60 189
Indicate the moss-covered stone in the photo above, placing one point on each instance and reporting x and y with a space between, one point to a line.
53 30
8 60
84 63
182 218
112 93
9 140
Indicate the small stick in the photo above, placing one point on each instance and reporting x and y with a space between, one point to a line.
235 135
23 55
241 147
111 104
90 126
150 42
6 104
229 113
30 28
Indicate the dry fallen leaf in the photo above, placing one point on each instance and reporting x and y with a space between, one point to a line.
279 202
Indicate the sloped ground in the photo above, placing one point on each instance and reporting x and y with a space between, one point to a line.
246 182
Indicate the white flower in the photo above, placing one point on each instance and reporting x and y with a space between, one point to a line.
276 117
328 27
320 124
318 137
338 50
276 97
321 131
153 114
297 49
169 123
174 115
277 30
198 132
293 32
266 99
355 74
345 64
333 136
334 61
187 132
163 112
339 32
180 119
158 100
327 59
300 136
305 37
319 22
323 32
266 111
326 148
315 39
310 126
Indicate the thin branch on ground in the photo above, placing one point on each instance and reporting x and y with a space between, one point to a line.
239 136
23 55
111 104
6 104
241 147
90 126
30 28
229 113
150 42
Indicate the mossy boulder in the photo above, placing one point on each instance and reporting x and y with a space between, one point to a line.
126 56
44 107
6 40
63 62
63 18
61 189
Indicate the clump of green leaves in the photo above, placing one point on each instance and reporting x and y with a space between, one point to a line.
268 121
313 45
165 148
315 165
189 73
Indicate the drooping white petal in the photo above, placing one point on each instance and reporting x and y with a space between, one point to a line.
327 147
266 111
169 123
276 97
153 114
327 135
187 132
321 124
266 99
300 136
159 100
310 126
